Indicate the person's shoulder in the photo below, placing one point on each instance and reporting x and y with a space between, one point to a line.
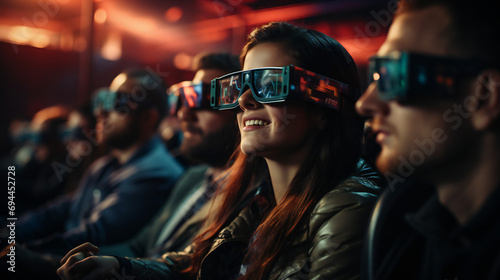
99 163
351 193
358 190
196 170
342 212
157 161
154 153
353 198
192 179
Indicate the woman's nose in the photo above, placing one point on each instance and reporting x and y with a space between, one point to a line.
247 101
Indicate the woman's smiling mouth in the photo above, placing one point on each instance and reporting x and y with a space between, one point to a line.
256 123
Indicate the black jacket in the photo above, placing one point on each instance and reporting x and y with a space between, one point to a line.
412 236
327 247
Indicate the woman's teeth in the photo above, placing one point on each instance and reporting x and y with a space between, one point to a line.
256 122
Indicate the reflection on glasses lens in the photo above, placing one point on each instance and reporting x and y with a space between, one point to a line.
230 89
268 83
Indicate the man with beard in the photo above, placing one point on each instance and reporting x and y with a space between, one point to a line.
435 109
121 191
209 138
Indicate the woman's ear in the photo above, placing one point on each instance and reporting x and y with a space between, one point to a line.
486 92
319 118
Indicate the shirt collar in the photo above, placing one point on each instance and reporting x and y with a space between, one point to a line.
146 148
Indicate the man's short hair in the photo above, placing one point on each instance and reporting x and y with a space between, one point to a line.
223 61
153 86
475 25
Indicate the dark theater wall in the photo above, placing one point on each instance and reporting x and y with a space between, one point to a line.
160 34
31 79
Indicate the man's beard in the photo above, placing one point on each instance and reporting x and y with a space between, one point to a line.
123 139
215 148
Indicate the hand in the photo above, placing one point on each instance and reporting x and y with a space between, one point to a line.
81 263
6 250
86 248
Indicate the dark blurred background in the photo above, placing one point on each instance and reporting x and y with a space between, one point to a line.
59 51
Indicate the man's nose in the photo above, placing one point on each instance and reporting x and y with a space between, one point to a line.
100 113
370 103
186 114
247 101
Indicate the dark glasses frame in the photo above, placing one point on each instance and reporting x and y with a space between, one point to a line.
189 94
124 102
296 82
405 76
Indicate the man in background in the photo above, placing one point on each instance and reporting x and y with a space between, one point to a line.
209 138
121 191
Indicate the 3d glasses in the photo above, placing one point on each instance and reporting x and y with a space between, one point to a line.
189 94
26 135
276 84
72 134
35 137
107 100
404 75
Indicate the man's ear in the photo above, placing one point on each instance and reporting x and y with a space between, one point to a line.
486 91
150 117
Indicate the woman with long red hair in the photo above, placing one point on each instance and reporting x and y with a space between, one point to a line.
299 129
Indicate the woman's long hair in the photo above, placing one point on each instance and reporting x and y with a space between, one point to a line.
331 159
